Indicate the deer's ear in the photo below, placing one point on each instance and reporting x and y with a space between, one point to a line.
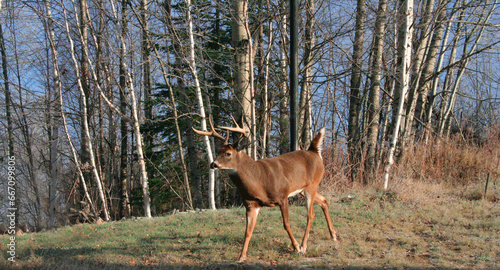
241 143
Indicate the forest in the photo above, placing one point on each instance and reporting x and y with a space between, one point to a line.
99 98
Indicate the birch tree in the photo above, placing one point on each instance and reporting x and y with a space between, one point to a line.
122 83
54 126
405 43
199 97
374 95
305 106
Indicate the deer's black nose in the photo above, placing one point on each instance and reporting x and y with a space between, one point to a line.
213 165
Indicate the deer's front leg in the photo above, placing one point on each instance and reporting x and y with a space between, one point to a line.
252 212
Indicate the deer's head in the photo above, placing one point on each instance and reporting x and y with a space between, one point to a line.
228 156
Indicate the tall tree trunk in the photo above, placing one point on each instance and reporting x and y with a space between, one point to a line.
429 66
420 52
374 95
305 126
437 69
146 72
266 107
242 65
199 96
139 148
445 97
55 123
283 87
354 147
136 126
83 72
404 48
124 206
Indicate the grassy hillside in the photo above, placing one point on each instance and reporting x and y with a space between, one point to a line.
437 229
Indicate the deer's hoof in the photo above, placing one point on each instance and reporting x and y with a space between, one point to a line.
336 245
335 238
302 251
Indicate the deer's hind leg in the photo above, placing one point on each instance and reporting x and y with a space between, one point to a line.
324 205
310 196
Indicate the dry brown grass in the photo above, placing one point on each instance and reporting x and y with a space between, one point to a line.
457 160
452 162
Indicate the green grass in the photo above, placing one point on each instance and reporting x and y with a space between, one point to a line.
376 229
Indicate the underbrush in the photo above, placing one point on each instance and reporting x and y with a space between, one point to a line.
453 162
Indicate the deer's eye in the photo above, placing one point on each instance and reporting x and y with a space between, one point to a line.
228 154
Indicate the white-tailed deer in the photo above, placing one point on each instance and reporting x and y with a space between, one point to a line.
270 182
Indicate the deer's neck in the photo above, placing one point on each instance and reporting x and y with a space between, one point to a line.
246 171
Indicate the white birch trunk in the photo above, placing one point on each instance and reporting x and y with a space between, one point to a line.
54 175
404 77
140 153
199 97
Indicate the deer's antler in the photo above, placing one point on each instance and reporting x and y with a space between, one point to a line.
212 133
237 129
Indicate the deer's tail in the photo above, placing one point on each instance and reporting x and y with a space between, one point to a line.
317 142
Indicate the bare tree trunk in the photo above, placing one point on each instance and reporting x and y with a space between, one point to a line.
406 12
242 66
415 93
266 106
146 72
423 55
429 67
445 97
253 121
54 128
194 174
84 140
139 148
283 87
374 95
437 69
72 147
305 126
199 96
125 210
354 147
